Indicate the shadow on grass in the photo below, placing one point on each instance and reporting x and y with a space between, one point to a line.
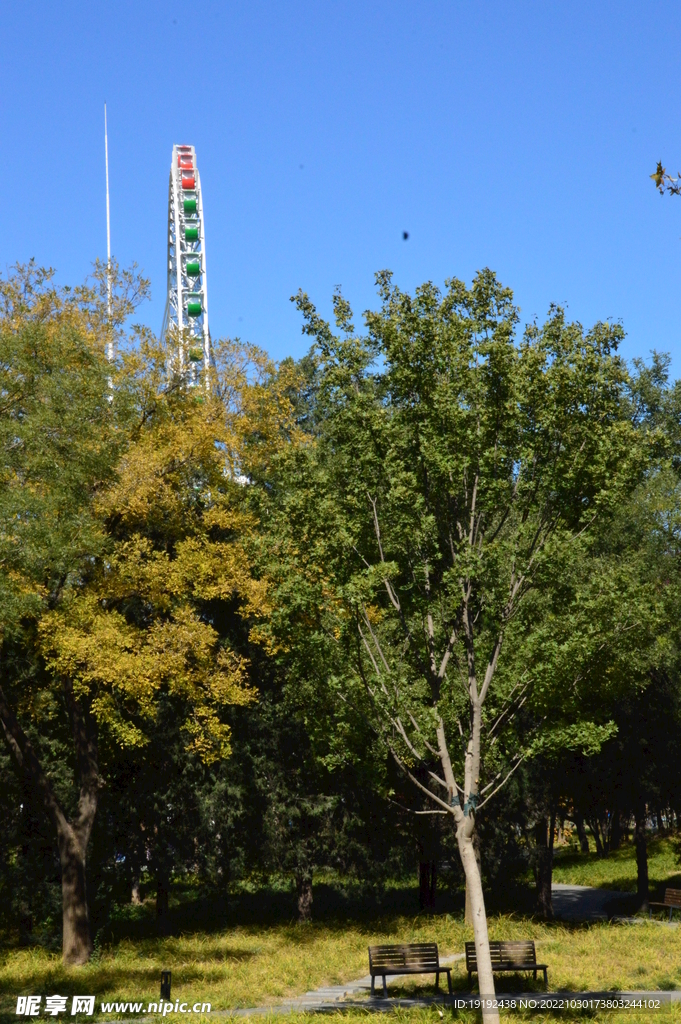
194 911
204 911
209 912
504 983
102 978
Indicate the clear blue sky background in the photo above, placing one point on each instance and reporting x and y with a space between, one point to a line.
515 135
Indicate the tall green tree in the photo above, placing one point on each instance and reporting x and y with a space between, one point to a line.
450 468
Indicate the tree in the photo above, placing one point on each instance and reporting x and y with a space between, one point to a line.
60 440
123 520
450 469
601 634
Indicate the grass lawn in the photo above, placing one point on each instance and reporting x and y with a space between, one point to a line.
618 869
249 966
245 959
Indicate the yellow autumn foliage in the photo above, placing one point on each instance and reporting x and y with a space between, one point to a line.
183 524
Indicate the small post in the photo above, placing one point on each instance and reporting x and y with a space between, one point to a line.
165 984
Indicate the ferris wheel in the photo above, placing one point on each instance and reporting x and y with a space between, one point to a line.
186 312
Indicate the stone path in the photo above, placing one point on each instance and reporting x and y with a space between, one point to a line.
328 997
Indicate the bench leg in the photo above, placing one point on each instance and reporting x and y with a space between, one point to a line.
546 979
670 913
470 979
373 985
437 981
385 986
449 981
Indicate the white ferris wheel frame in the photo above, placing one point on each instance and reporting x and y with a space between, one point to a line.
181 287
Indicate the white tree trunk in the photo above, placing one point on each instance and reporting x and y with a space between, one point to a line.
468 913
477 907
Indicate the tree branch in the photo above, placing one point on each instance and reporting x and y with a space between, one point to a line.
400 763
376 643
22 750
377 530
426 744
502 784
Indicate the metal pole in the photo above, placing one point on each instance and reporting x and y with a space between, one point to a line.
109 347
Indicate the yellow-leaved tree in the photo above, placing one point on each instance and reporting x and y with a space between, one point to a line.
168 535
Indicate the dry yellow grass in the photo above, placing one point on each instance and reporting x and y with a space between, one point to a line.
250 966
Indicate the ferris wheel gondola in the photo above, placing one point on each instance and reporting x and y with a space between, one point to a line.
186 312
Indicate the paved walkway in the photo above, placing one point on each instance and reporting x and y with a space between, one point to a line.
582 903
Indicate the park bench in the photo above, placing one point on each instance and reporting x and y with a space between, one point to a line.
672 901
415 958
507 956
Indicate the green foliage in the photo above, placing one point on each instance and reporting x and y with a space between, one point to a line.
60 440
452 474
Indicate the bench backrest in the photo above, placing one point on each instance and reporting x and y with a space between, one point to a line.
413 956
504 955
672 897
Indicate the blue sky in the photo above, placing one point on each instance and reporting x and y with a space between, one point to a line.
515 135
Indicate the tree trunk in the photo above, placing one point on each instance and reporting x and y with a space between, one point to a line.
73 836
596 833
480 933
581 833
135 897
162 886
544 871
468 911
304 890
25 925
427 884
615 828
76 941
465 826
641 856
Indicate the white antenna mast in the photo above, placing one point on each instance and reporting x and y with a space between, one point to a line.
109 347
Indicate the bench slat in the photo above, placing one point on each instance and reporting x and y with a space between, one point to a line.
409 958
505 949
412 956
402 961
504 955
507 956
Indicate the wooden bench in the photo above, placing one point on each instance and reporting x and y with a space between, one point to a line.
672 901
507 956
415 958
